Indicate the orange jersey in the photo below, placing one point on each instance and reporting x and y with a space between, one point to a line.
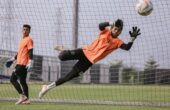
25 44
102 46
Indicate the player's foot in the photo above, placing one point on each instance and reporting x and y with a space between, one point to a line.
26 102
21 99
59 47
43 91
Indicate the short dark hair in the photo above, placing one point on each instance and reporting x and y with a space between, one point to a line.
27 26
119 24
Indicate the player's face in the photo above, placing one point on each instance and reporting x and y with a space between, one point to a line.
25 31
115 31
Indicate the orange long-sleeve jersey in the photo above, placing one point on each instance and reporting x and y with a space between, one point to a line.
102 46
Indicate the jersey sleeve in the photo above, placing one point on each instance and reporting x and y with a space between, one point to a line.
120 42
30 44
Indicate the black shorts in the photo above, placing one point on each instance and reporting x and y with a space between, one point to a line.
20 69
83 63
20 74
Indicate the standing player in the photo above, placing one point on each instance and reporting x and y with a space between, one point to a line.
24 62
106 42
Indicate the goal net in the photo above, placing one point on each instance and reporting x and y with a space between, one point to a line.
137 77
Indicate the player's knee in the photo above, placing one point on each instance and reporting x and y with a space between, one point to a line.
23 82
73 73
63 55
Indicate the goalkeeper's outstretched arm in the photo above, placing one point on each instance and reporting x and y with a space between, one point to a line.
133 35
126 46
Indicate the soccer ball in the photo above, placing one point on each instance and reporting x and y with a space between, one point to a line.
144 7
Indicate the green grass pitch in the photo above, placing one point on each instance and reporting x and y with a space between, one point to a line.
131 93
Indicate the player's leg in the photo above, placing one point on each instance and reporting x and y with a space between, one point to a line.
70 54
22 78
80 67
15 83
72 74
17 86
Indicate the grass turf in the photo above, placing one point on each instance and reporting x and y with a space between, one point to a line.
140 93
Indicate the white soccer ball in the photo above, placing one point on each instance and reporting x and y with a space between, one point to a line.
144 7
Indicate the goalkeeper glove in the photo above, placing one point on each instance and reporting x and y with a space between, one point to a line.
134 33
10 62
29 65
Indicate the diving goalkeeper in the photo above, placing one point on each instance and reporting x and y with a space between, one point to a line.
106 42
